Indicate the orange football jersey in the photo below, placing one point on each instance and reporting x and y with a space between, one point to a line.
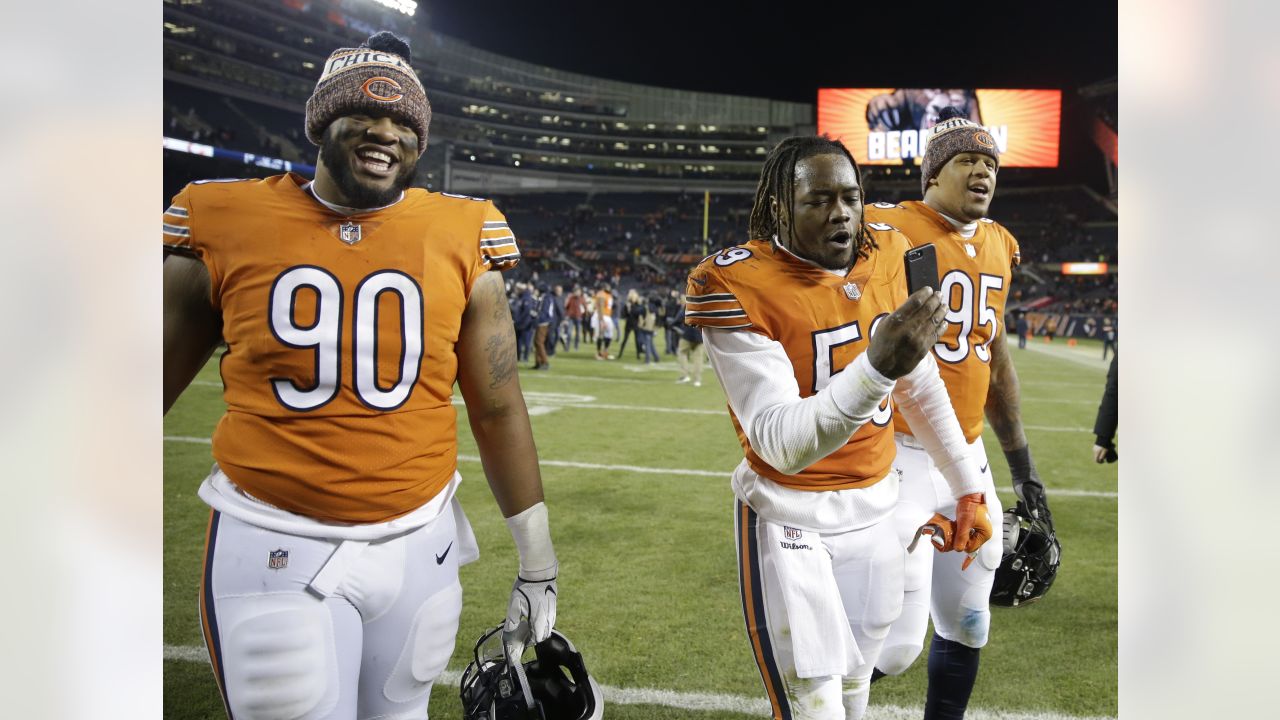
823 322
340 332
975 275
604 303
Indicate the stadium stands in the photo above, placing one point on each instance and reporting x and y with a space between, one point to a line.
601 179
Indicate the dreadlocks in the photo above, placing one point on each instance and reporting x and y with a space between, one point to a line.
778 180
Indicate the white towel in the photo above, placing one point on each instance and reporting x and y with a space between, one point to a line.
821 640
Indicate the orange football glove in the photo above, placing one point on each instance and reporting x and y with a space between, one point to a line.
941 531
973 525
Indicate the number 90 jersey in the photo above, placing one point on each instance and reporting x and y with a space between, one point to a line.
340 330
823 321
975 275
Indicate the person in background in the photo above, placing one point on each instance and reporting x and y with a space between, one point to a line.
604 322
691 353
630 316
524 313
1021 326
674 328
1104 427
589 319
544 319
646 325
559 328
1108 337
574 309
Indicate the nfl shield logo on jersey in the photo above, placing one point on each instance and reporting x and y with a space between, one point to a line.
851 291
791 533
278 559
349 233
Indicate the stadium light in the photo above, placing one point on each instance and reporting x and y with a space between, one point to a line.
408 7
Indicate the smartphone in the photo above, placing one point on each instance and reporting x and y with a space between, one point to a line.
922 267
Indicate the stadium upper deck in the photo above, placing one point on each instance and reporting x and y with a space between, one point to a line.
530 127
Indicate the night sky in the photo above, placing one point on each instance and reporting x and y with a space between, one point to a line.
757 48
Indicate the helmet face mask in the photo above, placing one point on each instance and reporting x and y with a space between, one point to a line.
1030 562
555 685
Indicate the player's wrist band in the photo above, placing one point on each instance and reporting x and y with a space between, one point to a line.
1021 468
859 389
532 534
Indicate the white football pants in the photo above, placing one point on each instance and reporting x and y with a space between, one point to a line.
957 599
867 568
302 628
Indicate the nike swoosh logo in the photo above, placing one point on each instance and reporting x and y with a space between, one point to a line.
440 558
981 470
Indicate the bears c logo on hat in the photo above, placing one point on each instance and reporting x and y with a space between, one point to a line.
984 140
382 89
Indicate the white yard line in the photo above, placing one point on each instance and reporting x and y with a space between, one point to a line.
1081 356
608 406
687 472
757 706
649 470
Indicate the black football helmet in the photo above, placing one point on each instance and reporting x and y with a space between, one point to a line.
1030 561
554 685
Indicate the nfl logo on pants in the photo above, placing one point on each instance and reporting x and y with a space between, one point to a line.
278 559
791 533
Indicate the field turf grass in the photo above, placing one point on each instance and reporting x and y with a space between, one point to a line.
648 586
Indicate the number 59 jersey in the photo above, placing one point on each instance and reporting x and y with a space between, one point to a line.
823 322
340 330
975 274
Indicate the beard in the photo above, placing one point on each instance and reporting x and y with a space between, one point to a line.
359 194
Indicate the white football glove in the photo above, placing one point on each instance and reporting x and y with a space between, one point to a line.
531 613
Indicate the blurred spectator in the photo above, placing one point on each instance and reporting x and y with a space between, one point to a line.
647 324
1022 328
691 352
1104 428
574 309
1108 337
674 321
545 318
524 312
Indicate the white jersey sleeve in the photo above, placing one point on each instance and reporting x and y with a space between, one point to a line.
787 431
922 399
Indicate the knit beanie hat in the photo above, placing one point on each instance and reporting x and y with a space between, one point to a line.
954 134
375 78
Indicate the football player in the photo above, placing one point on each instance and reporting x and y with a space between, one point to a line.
809 329
975 260
349 306
603 321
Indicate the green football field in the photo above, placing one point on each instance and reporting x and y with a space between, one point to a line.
636 472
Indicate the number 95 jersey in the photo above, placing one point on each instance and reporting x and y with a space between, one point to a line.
975 274
340 330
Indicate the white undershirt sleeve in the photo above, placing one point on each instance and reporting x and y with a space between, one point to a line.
922 399
787 431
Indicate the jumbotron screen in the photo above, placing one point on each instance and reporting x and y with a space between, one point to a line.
887 126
